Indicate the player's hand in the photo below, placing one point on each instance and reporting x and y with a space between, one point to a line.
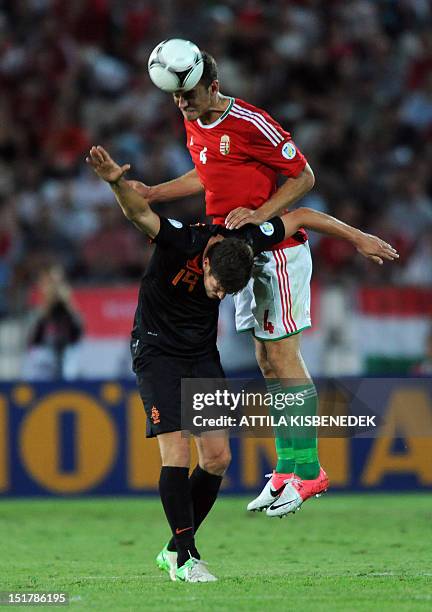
241 216
376 249
104 166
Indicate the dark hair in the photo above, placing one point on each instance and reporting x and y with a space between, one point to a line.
231 262
210 71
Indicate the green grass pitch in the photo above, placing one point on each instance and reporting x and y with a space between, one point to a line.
365 552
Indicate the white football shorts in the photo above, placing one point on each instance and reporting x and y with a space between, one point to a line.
276 301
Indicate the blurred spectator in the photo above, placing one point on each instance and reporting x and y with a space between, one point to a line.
411 208
416 111
65 144
335 258
10 246
55 332
418 270
115 250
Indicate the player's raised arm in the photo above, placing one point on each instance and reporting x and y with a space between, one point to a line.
368 245
186 185
292 190
134 206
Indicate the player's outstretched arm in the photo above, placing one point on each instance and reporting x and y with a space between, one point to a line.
292 190
368 245
134 206
186 185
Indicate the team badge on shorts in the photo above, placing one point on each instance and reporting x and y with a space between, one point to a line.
155 416
224 145
267 228
288 150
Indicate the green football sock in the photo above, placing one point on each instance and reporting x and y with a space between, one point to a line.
304 437
283 443
285 454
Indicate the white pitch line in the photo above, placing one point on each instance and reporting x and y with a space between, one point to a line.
163 576
217 596
128 577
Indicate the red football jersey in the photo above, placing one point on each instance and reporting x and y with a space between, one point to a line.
238 159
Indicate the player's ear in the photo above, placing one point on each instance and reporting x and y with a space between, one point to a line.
206 264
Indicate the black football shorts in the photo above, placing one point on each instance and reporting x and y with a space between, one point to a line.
159 383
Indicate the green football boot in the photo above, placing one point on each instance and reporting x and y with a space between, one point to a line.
167 561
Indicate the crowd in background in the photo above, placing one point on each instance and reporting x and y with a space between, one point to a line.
350 79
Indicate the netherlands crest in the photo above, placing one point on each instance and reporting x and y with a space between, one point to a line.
224 145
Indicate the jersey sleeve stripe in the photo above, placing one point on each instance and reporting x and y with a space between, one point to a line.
261 119
257 125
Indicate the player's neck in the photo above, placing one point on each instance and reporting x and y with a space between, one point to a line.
217 108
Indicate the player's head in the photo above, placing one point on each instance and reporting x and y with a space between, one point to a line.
227 266
198 101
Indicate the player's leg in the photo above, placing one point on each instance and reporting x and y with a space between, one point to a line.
214 457
175 493
261 291
205 481
213 448
284 469
285 360
286 363
244 302
159 383
175 489
281 310
283 441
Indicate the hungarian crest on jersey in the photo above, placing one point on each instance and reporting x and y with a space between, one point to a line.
224 145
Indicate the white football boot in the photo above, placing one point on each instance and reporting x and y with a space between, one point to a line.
296 492
269 494
194 570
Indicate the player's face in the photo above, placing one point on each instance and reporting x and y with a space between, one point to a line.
194 103
212 286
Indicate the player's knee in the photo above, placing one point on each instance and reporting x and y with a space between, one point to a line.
266 369
283 358
274 366
217 463
263 363
176 456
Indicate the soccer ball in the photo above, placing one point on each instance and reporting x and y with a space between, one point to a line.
175 65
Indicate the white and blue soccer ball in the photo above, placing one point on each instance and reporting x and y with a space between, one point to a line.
175 65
